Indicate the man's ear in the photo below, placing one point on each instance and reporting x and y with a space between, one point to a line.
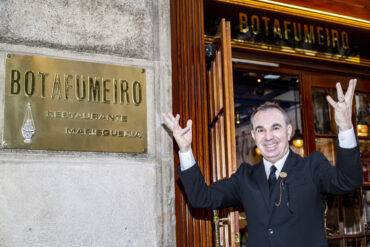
289 130
252 133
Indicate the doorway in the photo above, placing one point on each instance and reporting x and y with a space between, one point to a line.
194 227
252 88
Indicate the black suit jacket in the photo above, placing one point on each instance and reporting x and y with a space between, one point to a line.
299 219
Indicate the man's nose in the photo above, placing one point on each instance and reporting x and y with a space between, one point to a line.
268 135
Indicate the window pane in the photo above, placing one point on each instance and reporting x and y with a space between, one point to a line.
354 242
334 243
243 230
362 102
352 213
332 216
297 150
367 209
321 111
326 146
365 158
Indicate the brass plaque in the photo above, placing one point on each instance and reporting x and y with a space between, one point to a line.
57 104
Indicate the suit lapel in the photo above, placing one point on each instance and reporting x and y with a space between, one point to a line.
262 183
290 162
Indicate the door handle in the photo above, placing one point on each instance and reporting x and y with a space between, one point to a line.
216 222
228 219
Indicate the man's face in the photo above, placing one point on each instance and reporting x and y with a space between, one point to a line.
271 134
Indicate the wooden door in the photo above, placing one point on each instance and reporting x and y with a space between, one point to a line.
222 131
345 221
193 226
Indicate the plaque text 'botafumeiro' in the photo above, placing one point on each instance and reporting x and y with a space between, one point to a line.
77 87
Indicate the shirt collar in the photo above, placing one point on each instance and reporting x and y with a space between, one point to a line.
278 164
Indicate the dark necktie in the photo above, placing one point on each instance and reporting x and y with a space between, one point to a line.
272 178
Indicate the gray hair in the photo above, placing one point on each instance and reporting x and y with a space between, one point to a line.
271 105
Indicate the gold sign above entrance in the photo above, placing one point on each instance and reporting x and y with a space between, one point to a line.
272 27
57 104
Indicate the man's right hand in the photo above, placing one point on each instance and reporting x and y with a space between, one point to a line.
183 136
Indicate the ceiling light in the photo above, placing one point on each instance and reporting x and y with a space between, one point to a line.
362 129
239 60
257 150
237 118
274 77
297 139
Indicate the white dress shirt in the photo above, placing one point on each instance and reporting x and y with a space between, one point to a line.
347 139
278 164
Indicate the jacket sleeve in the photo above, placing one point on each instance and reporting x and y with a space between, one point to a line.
343 178
221 194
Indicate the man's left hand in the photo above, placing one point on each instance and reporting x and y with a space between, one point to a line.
343 108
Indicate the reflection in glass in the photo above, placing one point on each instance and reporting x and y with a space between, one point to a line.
362 113
243 228
352 213
321 111
365 158
334 243
367 209
326 146
332 216
354 242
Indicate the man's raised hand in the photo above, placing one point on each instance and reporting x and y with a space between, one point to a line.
183 136
343 108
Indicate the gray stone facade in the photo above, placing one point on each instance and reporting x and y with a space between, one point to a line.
124 28
59 198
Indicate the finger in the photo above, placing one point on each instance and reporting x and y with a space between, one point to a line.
164 117
351 89
171 119
349 92
340 92
167 121
177 119
189 123
171 116
331 101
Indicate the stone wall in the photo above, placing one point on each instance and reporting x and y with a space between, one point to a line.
60 198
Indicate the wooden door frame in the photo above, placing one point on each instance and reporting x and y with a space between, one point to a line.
222 129
194 227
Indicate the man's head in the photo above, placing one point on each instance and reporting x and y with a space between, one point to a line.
271 131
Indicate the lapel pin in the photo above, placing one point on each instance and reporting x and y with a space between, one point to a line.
283 174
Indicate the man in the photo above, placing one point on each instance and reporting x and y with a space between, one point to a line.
283 195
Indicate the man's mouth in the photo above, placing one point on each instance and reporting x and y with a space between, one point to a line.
270 147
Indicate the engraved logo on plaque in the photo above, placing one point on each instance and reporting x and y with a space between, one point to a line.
28 127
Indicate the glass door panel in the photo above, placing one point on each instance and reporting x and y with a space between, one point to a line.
334 243
326 146
352 213
365 158
332 216
362 103
354 242
321 111
367 210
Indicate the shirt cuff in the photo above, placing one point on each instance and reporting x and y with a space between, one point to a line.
186 159
347 138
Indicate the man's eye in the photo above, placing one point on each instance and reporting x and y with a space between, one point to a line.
259 130
276 128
